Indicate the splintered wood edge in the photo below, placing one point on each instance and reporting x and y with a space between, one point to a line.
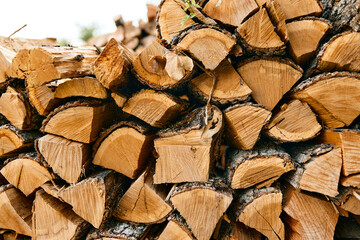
181 222
23 136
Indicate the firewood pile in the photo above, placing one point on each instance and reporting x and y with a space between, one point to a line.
240 121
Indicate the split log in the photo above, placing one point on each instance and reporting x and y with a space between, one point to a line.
229 87
207 44
6 56
261 166
319 169
277 18
294 122
160 69
304 37
350 181
15 210
42 98
67 159
202 205
327 94
239 231
80 120
124 147
53 219
258 34
244 123
176 229
348 141
43 65
14 141
96 193
144 202
155 108
298 9
119 98
187 149
230 12
16 44
264 75
348 199
260 209
113 64
26 174
305 214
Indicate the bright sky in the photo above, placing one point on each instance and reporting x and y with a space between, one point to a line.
62 19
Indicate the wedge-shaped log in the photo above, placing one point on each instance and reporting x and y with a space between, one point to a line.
189 147
277 18
67 158
124 147
53 219
260 209
119 98
162 69
45 64
348 141
144 202
43 99
80 120
261 166
209 45
294 122
305 214
202 205
98 193
269 78
327 94
6 56
15 210
244 123
26 174
176 228
113 64
258 34
154 108
297 9
318 169
305 36
14 141
349 200
229 87
238 231
350 181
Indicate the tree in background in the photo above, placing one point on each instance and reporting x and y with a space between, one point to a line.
87 32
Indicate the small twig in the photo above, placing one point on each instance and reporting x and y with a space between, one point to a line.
17 31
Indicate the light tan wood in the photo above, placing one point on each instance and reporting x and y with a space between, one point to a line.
6 56
188 148
176 229
294 122
352 203
43 99
119 98
265 75
244 123
277 18
16 44
241 232
350 181
15 210
297 9
328 95
66 158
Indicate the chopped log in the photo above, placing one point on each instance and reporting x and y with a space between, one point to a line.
348 199
144 202
15 210
98 193
230 12
176 229
14 141
348 141
79 121
16 44
350 181
338 54
6 56
53 219
304 37
244 123
240 232
160 69
298 9
277 18
187 149
42 98
264 75
294 122
261 166
202 205
327 94
229 87
305 214
26 174
124 147
319 169
67 159
43 65
155 108
258 34
169 20
52 189
119 99
260 209
113 64
207 44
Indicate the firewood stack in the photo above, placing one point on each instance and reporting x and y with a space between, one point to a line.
240 121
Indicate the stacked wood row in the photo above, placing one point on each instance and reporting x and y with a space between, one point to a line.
239 121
